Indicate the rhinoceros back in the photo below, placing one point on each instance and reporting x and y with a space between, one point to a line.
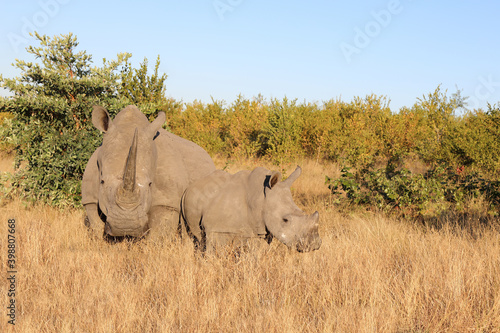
180 162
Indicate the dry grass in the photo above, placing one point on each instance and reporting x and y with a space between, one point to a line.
372 274
6 161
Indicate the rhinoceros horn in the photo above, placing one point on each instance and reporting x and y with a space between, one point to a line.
289 181
129 173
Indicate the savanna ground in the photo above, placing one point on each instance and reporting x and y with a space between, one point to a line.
373 273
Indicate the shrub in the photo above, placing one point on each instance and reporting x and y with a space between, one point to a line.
281 136
356 135
202 124
476 139
320 129
436 118
244 127
414 195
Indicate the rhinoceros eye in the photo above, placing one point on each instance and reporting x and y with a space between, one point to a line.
102 181
285 220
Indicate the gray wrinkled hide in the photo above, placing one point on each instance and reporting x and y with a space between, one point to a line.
222 208
161 166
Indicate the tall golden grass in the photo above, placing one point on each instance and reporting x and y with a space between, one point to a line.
372 274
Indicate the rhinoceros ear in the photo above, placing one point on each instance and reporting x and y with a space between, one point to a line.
274 179
157 123
101 119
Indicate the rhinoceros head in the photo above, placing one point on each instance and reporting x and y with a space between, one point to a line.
284 220
127 167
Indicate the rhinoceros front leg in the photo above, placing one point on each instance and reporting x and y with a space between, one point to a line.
93 222
163 223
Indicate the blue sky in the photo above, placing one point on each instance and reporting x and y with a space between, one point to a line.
313 51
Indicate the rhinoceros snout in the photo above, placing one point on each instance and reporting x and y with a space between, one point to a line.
309 246
126 228
311 241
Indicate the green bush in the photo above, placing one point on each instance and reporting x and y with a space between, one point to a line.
436 114
320 129
362 121
414 194
203 124
476 140
244 128
282 133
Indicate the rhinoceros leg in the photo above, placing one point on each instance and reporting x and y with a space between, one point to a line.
93 221
224 243
163 223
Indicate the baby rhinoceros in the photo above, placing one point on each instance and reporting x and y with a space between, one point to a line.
222 208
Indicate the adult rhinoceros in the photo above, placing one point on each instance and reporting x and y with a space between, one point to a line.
134 181
222 208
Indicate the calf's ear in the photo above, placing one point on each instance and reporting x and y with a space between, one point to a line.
101 119
273 179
